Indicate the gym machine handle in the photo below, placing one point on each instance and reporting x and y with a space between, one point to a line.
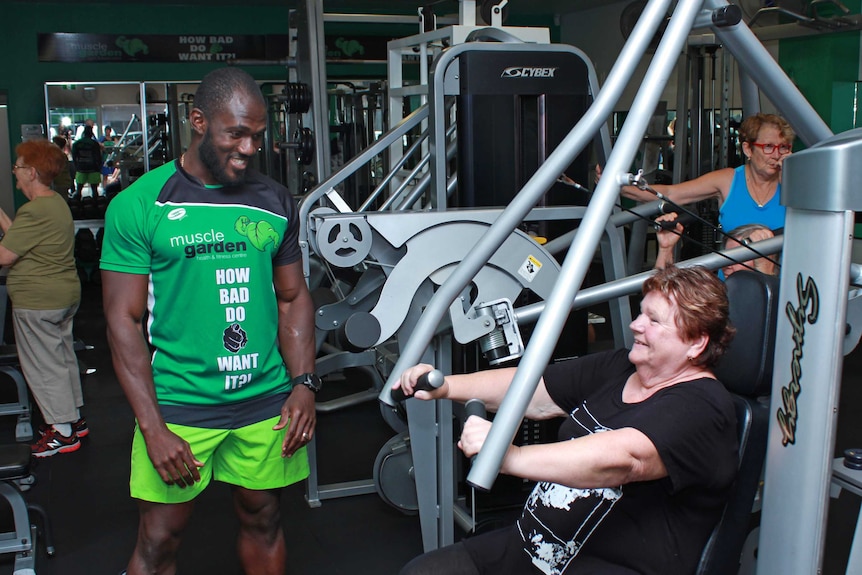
426 382
475 407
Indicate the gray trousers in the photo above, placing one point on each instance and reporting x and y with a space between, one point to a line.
47 355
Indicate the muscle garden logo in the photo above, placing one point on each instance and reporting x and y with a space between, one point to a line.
259 234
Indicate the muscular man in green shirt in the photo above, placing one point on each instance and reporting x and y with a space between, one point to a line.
204 251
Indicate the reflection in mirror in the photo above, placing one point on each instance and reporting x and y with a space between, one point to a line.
149 125
114 110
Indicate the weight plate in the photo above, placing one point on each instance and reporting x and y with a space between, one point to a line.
393 475
395 417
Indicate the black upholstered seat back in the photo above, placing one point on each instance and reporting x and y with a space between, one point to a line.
746 370
746 367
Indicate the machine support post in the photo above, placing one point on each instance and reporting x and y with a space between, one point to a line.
820 190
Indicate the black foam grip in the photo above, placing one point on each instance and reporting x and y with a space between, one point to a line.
684 218
426 382
475 407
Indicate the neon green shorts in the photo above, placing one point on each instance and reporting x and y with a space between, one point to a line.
92 178
249 457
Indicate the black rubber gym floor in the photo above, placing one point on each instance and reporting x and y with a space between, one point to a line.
94 520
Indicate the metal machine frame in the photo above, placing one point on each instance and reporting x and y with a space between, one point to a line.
798 470
789 545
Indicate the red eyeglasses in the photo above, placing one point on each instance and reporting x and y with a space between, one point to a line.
770 148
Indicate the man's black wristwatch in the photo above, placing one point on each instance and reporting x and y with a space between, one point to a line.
309 380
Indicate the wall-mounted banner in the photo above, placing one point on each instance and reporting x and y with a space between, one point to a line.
356 48
64 47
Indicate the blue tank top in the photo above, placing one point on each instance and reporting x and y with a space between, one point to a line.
739 208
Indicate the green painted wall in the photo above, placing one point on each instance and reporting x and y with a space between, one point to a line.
22 76
821 67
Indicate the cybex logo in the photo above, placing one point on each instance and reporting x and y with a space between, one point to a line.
526 72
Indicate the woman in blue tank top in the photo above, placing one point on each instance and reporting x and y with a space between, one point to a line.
749 194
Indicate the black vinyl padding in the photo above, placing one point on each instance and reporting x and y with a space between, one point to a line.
746 367
746 370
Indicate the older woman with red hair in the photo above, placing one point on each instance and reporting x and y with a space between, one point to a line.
38 246
646 451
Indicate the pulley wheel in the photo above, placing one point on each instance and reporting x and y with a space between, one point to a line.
313 222
344 242
393 475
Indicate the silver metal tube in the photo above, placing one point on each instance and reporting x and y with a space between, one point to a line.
595 117
382 143
621 218
780 90
680 131
529 314
420 188
317 80
750 94
538 353
400 164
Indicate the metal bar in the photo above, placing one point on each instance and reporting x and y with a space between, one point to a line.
419 189
780 90
320 103
380 19
593 120
400 164
750 94
535 359
631 285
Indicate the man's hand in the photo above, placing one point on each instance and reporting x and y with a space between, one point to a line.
172 457
298 415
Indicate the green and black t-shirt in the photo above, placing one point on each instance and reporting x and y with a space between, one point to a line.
209 253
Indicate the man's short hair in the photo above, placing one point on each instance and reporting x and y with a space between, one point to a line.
219 86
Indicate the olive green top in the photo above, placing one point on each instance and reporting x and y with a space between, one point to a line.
42 235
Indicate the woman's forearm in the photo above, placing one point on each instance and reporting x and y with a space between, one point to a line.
5 221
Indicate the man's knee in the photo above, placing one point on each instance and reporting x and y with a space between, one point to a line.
258 511
161 528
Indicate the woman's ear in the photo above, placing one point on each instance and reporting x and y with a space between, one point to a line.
697 346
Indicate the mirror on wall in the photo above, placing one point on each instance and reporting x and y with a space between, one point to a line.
149 124
147 121
114 109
